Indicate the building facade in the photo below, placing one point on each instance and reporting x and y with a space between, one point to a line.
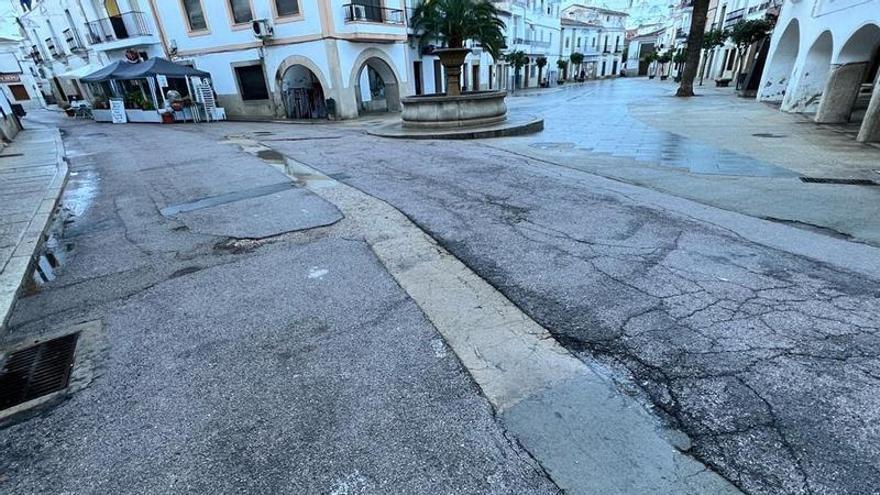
302 59
723 63
643 41
68 39
606 44
17 75
824 58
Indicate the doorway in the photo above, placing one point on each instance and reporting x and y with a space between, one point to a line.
302 94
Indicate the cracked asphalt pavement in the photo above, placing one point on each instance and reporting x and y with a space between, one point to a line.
767 360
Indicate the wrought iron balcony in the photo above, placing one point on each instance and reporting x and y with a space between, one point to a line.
535 43
36 55
117 27
681 34
355 12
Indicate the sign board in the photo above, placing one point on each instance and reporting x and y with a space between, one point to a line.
117 111
163 80
10 77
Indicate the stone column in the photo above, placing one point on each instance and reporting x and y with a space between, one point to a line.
841 92
870 130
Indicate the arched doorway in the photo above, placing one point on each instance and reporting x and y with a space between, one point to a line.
778 75
376 87
814 74
302 94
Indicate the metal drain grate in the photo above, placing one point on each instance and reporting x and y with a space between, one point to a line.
11 154
768 135
846 182
37 371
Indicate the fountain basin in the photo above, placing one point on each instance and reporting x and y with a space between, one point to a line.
440 111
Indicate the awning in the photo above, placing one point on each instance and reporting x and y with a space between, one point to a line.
121 70
79 73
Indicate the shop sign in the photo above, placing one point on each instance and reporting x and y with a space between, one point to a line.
117 111
10 77
163 80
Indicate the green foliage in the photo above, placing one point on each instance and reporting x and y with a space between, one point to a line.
680 58
577 58
664 58
452 22
541 62
562 64
649 57
517 59
714 38
744 33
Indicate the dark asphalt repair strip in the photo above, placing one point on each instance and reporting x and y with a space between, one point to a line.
845 182
223 199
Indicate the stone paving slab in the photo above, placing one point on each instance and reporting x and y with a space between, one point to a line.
32 175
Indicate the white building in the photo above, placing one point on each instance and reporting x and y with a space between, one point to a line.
17 73
68 39
313 59
606 46
723 62
581 37
824 59
644 40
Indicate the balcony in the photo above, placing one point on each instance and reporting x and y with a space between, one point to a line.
734 17
73 41
50 47
534 43
120 31
681 34
35 55
373 13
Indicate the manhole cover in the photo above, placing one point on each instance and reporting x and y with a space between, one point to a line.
37 371
768 135
832 180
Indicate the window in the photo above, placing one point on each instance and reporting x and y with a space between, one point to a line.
251 82
241 11
19 92
286 7
195 16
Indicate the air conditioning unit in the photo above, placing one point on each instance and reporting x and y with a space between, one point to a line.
263 29
359 12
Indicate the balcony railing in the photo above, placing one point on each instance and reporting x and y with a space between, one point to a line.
36 55
681 33
72 40
50 46
117 27
355 12
536 43
734 17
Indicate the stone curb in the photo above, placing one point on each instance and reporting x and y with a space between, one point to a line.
14 273
529 125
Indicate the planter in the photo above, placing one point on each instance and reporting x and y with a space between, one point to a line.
167 118
445 111
560 82
663 78
452 59
722 83
651 77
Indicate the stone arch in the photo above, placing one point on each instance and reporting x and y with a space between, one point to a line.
301 89
778 75
379 71
813 76
860 46
853 66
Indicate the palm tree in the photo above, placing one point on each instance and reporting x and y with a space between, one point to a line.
694 45
451 23
541 62
518 60
577 59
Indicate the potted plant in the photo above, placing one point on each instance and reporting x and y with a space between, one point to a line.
563 70
649 58
452 22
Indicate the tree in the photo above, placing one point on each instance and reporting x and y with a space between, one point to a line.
541 62
563 66
744 34
694 43
518 60
577 59
649 58
451 23
663 59
711 40
679 59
